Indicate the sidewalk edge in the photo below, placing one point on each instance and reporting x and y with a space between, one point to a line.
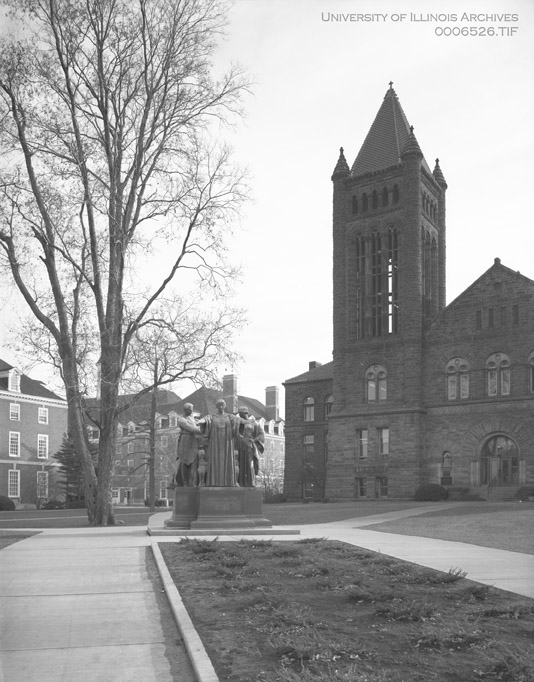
198 656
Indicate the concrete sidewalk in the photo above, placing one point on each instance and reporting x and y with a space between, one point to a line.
86 606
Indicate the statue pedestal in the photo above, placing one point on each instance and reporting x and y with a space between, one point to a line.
218 509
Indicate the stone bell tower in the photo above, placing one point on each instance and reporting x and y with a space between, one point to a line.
389 283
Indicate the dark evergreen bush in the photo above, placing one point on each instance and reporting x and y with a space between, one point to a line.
6 504
431 492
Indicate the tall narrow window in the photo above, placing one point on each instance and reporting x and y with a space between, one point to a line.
42 446
383 441
42 415
396 194
365 202
355 204
14 381
498 375
13 483
377 285
14 412
393 282
309 410
360 287
385 196
308 449
362 442
515 314
457 371
376 384
14 444
42 484
328 402
374 198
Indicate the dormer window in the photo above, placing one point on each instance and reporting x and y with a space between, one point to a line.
14 381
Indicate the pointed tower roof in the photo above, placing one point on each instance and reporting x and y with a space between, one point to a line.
438 175
342 167
386 138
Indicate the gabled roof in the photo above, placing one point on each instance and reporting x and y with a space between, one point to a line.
203 400
139 410
320 373
496 268
27 386
386 138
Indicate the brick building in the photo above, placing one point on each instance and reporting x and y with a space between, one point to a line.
422 392
33 421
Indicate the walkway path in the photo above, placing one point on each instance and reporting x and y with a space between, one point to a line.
86 606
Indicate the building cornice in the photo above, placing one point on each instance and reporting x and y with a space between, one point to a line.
24 398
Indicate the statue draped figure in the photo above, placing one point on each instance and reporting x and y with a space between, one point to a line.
221 431
249 445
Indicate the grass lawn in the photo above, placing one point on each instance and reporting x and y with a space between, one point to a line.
508 526
322 611
9 537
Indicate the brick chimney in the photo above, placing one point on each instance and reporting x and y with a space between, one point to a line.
230 392
272 405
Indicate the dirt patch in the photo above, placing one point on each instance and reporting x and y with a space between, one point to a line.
319 610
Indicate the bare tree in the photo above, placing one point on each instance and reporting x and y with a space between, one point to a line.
106 109
181 343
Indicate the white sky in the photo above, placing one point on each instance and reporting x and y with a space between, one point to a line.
319 85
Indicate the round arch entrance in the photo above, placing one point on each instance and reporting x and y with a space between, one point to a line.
499 462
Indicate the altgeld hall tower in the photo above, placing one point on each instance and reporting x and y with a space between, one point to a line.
418 391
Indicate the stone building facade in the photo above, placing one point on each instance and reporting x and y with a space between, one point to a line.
422 392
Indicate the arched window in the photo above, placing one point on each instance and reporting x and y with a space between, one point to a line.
376 384
375 198
396 195
365 202
328 402
309 409
498 374
446 468
355 204
385 196
531 372
457 371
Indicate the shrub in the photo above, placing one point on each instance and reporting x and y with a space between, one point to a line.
53 504
75 504
431 492
6 504
524 493
158 502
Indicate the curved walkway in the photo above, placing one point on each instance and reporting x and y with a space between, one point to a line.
82 604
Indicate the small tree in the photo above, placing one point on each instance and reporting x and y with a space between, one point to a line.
70 479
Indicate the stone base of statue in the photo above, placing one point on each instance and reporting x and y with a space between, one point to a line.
218 511
217 508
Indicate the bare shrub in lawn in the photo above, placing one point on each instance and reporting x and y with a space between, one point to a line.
408 612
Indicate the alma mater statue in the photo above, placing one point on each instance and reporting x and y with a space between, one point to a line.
222 431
